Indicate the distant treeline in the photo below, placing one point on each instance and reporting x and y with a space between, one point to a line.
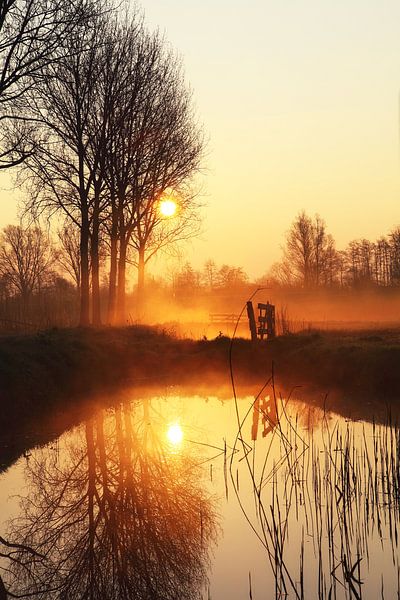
40 280
311 260
40 275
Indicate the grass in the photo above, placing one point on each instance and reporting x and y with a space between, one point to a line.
55 371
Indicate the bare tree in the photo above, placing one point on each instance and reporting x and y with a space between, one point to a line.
361 259
69 257
299 249
26 259
187 280
324 254
210 273
382 261
155 232
310 258
154 144
131 58
117 130
231 277
65 171
280 274
32 34
394 240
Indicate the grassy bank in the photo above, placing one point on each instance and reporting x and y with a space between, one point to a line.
39 369
57 369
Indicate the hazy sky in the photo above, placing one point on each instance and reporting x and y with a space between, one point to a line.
300 102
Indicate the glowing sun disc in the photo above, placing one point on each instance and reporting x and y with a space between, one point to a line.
175 434
167 208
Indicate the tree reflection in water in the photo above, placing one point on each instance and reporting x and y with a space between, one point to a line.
115 516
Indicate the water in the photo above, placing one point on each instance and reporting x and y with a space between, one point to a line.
169 497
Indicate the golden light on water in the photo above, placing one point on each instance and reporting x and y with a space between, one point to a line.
167 207
175 434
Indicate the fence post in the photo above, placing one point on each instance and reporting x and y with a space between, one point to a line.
271 322
252 321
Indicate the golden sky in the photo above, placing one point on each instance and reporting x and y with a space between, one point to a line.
300 103
300 100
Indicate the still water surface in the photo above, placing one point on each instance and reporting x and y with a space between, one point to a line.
172 497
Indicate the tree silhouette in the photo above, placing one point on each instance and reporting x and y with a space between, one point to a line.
32 35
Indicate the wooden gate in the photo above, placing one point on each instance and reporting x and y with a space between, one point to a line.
265 320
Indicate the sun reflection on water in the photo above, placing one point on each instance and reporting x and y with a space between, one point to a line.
175 434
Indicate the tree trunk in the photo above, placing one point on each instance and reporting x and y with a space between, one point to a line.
94 253
25 305
140 286
121 296
84 320
112 286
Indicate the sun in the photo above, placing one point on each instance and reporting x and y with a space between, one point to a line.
167 208
175 434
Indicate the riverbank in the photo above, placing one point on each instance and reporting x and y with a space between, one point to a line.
56 369
35 369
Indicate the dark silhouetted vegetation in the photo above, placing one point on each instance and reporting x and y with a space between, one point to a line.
311 260
41 373
103 129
